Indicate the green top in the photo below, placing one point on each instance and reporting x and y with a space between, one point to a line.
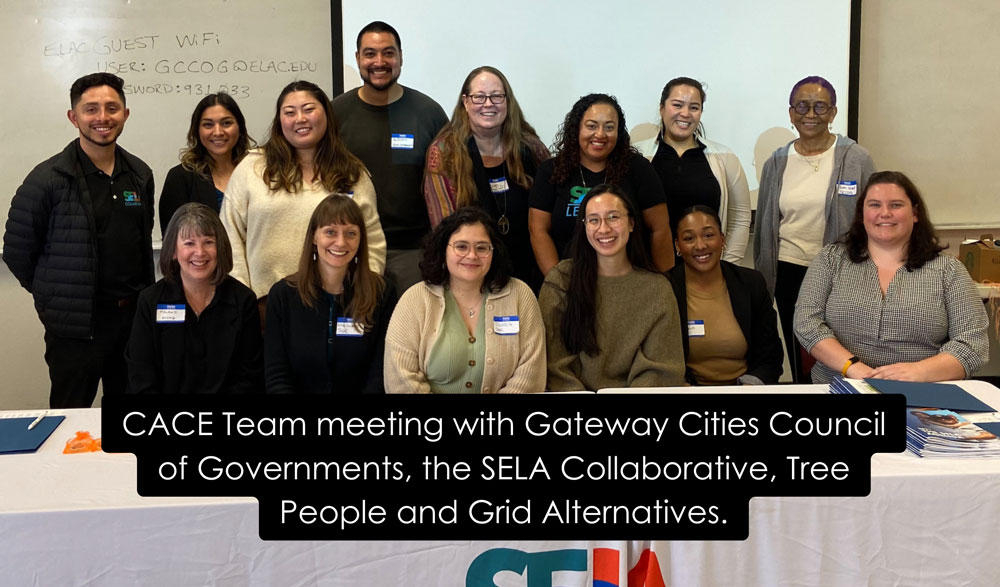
455 363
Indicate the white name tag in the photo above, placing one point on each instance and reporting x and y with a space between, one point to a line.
169 313
506 325
400 141
696 328
847 188
499 185
347 327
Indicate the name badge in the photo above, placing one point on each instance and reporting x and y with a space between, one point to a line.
499 185
347 327
506 325
169 313
696 328
847 188
401 141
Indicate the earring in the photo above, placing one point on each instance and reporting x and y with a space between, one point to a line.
314 255
829 127
355 260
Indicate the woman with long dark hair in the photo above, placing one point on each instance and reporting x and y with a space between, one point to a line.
592 147
274 190
326 323
217 141
610 319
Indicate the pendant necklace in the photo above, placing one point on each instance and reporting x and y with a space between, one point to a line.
503 223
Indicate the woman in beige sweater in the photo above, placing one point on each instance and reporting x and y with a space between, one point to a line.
610 319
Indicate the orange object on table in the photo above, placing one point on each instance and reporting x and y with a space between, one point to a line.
82 442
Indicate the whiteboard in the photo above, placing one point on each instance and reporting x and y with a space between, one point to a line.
748 54
170 54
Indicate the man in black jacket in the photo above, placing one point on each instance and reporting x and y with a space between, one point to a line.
79 238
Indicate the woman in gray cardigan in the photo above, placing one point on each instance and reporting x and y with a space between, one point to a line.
808 190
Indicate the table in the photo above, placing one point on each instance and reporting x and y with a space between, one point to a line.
77 520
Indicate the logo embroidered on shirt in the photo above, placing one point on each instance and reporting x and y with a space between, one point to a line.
132 198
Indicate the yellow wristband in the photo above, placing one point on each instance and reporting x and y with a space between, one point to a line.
848 364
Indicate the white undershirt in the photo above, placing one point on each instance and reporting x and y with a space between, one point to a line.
802 205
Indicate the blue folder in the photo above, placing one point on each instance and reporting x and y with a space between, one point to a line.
15 438
947 396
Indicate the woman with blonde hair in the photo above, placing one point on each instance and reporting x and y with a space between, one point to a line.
274 191
487 156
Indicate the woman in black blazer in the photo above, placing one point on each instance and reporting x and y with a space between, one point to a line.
197 330
217 140
728 324
326 324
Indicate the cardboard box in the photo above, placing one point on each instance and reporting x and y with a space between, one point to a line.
981 258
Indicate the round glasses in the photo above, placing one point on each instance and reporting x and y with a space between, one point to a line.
463 248
613 219
803 108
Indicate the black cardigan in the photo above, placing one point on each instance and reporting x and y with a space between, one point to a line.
295 346
183 186
218 352
754 311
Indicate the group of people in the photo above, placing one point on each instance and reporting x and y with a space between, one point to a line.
371 244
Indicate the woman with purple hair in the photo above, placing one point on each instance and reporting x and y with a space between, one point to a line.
808 190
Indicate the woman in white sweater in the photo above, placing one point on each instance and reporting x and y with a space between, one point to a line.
274 190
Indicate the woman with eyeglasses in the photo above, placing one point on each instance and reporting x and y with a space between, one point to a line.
593 148
487 156
695 170
808 189
730 329
468 327
611 319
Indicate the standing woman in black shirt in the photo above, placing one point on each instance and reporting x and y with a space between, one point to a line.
593 147
325 330
217 140
696 171
197 330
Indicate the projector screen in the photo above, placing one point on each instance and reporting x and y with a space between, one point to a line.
747 54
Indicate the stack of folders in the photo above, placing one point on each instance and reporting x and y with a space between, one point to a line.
942 419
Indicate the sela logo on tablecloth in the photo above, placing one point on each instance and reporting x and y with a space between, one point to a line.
535 569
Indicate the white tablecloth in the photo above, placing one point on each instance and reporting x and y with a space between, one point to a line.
77 520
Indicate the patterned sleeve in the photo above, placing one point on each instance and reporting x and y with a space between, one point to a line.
810 309
439 190
967 319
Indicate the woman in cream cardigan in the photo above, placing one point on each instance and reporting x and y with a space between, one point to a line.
696 171
468 327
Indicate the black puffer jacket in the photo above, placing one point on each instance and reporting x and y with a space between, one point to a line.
50 243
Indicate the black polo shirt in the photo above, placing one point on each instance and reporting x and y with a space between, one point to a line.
119 220
687 180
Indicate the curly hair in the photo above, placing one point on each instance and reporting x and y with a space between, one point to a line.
454 137
924 245
337 169
434 266
365 285
195 157
579 322
567 143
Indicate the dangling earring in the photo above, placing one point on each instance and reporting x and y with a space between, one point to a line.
829 127
314 254
355 259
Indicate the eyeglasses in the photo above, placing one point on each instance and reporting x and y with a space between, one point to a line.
614 220
820 108
463 248
495 99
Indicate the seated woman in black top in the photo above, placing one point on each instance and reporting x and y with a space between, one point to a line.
728 323
197 330
216 141
326 324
